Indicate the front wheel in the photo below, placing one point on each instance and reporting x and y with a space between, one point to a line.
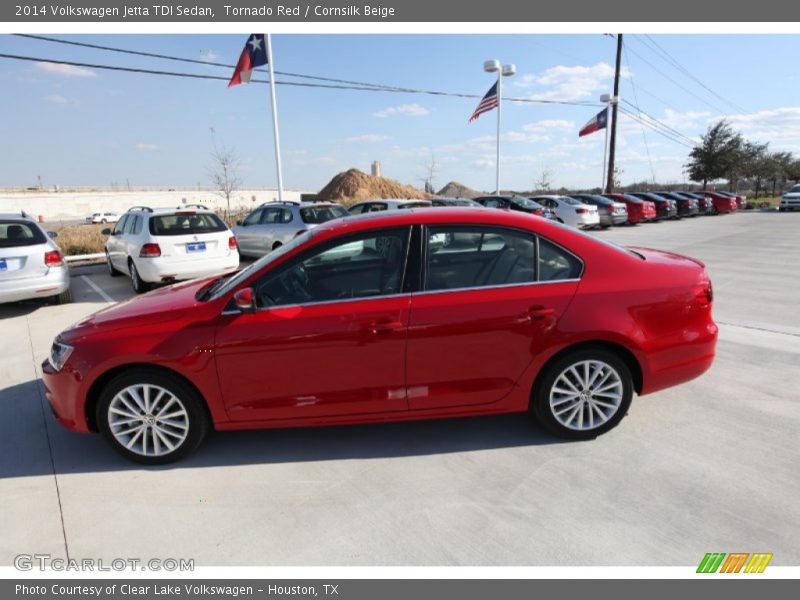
583 394
151 417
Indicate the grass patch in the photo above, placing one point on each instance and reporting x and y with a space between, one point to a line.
81 239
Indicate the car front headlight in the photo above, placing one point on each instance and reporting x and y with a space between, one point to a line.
59 353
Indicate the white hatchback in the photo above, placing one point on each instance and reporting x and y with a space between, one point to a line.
571 211
164 245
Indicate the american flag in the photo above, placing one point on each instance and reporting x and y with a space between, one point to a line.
487 103
254 55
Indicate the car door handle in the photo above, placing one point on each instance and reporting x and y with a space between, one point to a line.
380 327
540 312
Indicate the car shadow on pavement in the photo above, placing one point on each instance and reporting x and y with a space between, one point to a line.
29 434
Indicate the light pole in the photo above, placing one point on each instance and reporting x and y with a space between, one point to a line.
608 100
493 66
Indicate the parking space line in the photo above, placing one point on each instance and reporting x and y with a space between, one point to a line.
97 289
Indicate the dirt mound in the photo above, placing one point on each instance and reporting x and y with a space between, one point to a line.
354 186
457 190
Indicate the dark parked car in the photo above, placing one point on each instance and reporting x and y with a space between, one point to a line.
704 203
665 208
516 203
687 206
461 202
612 212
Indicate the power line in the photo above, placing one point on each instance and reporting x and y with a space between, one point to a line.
346 83
660 123
639 118
636 98
656 47
685 89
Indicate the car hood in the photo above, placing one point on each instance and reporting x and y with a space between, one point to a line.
163 304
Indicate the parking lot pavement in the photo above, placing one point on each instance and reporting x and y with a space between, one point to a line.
707 466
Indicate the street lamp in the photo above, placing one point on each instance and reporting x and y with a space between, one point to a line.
494 66
608 100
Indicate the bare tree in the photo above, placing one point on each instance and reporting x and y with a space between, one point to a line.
224 173
431 169
545 180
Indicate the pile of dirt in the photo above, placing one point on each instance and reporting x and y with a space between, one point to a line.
354 186
457 190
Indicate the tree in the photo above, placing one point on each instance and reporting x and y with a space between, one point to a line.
224 173
717 155
793 170
754 163
544 181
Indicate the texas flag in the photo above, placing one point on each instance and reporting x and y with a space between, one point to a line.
596 123
254 55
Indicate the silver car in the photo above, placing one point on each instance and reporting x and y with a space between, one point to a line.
571 211
790 200
387 204
31 264
273 224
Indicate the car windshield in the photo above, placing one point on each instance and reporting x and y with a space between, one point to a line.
525 202
320 214
19 233
633 199
568 200
222 285
795 189
186 223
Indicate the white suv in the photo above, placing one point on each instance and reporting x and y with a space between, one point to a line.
790 200
103 217
163 245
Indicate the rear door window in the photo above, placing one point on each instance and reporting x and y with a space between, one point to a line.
254 217
120 226
321 214
19 233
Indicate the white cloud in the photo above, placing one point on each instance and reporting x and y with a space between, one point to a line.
64 70
58 99
778 124
408 110
208 56
569 83
367 138
146 147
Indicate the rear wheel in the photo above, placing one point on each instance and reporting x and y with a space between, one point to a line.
276 245
151 417
64 297
139 286
583 394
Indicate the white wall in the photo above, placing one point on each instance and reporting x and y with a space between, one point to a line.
75 205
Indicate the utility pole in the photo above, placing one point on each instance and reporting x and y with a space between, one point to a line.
613 145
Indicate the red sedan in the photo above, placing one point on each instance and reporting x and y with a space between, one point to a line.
638 210
721 202
416 314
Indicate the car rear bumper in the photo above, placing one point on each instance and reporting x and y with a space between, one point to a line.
53 283
682 362
156 270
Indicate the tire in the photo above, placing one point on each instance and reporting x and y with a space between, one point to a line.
135 430
276 245
569 422
64 297
139 286
112 271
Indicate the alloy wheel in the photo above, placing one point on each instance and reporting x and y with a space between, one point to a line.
586 395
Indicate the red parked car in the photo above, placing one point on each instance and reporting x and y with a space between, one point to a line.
399 315
721 202
638 210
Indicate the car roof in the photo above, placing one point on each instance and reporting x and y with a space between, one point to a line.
18 216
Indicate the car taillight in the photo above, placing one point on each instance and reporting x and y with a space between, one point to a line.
704 293
232 243
150 251
581 211
53 259
538 211
609 209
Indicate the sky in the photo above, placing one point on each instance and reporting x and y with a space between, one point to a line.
83 126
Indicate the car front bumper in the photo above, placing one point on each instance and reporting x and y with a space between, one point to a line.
52 283
63 390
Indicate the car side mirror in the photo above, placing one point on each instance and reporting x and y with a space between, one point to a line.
244 301
52 235
106 231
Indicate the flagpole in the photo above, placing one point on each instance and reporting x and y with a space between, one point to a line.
605 156
499 104
274 103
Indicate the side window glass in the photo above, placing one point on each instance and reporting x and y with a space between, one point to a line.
130 223
120 226
363 266
357 210
556 263
136 229
271 215
377 207
286 215
469 257
254 217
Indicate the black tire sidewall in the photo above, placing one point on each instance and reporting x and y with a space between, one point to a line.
540 403
198 418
